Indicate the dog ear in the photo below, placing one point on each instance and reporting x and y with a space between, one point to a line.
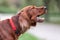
19 12
32 7
24 24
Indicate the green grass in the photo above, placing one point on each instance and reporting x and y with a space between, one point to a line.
27 36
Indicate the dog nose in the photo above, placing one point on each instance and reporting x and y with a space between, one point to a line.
45 7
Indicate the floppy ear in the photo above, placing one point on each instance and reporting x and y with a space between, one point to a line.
23 24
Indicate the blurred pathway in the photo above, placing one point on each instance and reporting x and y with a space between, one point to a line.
46 31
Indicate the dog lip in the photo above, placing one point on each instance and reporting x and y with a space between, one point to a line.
38 15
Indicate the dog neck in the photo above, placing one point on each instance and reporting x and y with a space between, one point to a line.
15 25
12 25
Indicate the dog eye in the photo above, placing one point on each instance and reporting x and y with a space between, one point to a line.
42 8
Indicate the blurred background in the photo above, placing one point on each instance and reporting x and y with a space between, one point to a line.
49 30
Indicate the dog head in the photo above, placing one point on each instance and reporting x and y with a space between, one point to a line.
32 12
36 12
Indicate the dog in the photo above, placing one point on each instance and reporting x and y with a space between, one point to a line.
11 29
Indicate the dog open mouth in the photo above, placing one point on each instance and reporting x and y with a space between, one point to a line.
40 19
37 19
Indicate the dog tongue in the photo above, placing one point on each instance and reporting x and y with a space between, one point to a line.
40 19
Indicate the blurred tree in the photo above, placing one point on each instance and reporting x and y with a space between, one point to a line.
46 3
17 3
31 2
58 3
13 4
34 2
4 3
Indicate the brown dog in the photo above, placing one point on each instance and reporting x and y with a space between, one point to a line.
10 29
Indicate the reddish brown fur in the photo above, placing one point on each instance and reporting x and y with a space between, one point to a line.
26 18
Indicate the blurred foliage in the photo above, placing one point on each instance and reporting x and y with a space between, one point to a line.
34 2
7 10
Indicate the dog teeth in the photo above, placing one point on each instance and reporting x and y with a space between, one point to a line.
44 6
40 18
